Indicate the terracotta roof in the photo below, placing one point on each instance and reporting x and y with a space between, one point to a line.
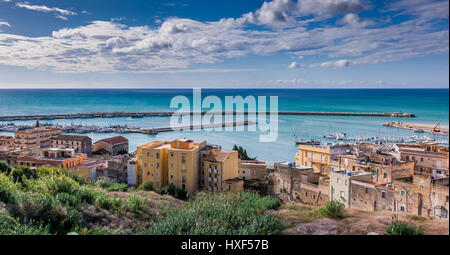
114 140
71 137
216 156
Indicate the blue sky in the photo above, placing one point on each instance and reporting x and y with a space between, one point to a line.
227 44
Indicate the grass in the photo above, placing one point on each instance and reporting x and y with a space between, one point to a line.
333 210
241 213
402 228
111 186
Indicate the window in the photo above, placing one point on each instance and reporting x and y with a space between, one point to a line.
171 154
312 156
157 175
171 177
403 192
346 182
402 208
322 169
183 179
157 155
306 154
306 194
342 193
385 175
374 173
323 159
421 187
367 190
183 158
148 154
157 165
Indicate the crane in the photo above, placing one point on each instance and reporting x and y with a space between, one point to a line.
435 128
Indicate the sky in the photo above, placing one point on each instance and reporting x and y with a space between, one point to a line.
224 44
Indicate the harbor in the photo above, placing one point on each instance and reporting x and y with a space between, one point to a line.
165 114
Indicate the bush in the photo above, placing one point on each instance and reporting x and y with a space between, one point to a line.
333 209
402 228
147 186
175 192
222 214
9 191
136 204
111 186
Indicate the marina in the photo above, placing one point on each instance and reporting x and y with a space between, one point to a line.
121 129
436 129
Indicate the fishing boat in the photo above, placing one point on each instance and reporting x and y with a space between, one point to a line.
308 142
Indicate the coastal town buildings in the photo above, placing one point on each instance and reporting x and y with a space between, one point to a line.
112 146
252 170
91 170
429 158
321 157
7 141
152 163
81 144
220 171
184 164
63 158
293 183
340 182
36 137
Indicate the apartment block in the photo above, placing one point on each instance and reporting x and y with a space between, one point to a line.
340 184
220 171
36 137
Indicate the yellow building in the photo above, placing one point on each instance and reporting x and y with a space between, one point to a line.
220 171
184 164
176 162
320 157
151 163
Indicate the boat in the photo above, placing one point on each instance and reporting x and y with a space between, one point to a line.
329 136
308 142
341 136
419 130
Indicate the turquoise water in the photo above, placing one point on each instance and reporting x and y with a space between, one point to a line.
429 105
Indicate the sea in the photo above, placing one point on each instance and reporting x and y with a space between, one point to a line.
429 105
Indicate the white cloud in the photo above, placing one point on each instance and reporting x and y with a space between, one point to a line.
334 64
177 44
43 8
354 21
294 65
4 23
287 12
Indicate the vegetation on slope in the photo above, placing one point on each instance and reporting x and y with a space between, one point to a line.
56 201
222 214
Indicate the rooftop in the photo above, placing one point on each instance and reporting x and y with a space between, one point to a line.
216 156
114 140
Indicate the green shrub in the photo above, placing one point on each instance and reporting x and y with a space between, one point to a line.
402 228
111 186
147 186
170 189
333 209
136 204
107 202
9 191
221 213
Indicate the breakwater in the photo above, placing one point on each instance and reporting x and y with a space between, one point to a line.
163 114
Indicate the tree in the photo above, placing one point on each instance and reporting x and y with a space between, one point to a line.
242 153
4 167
